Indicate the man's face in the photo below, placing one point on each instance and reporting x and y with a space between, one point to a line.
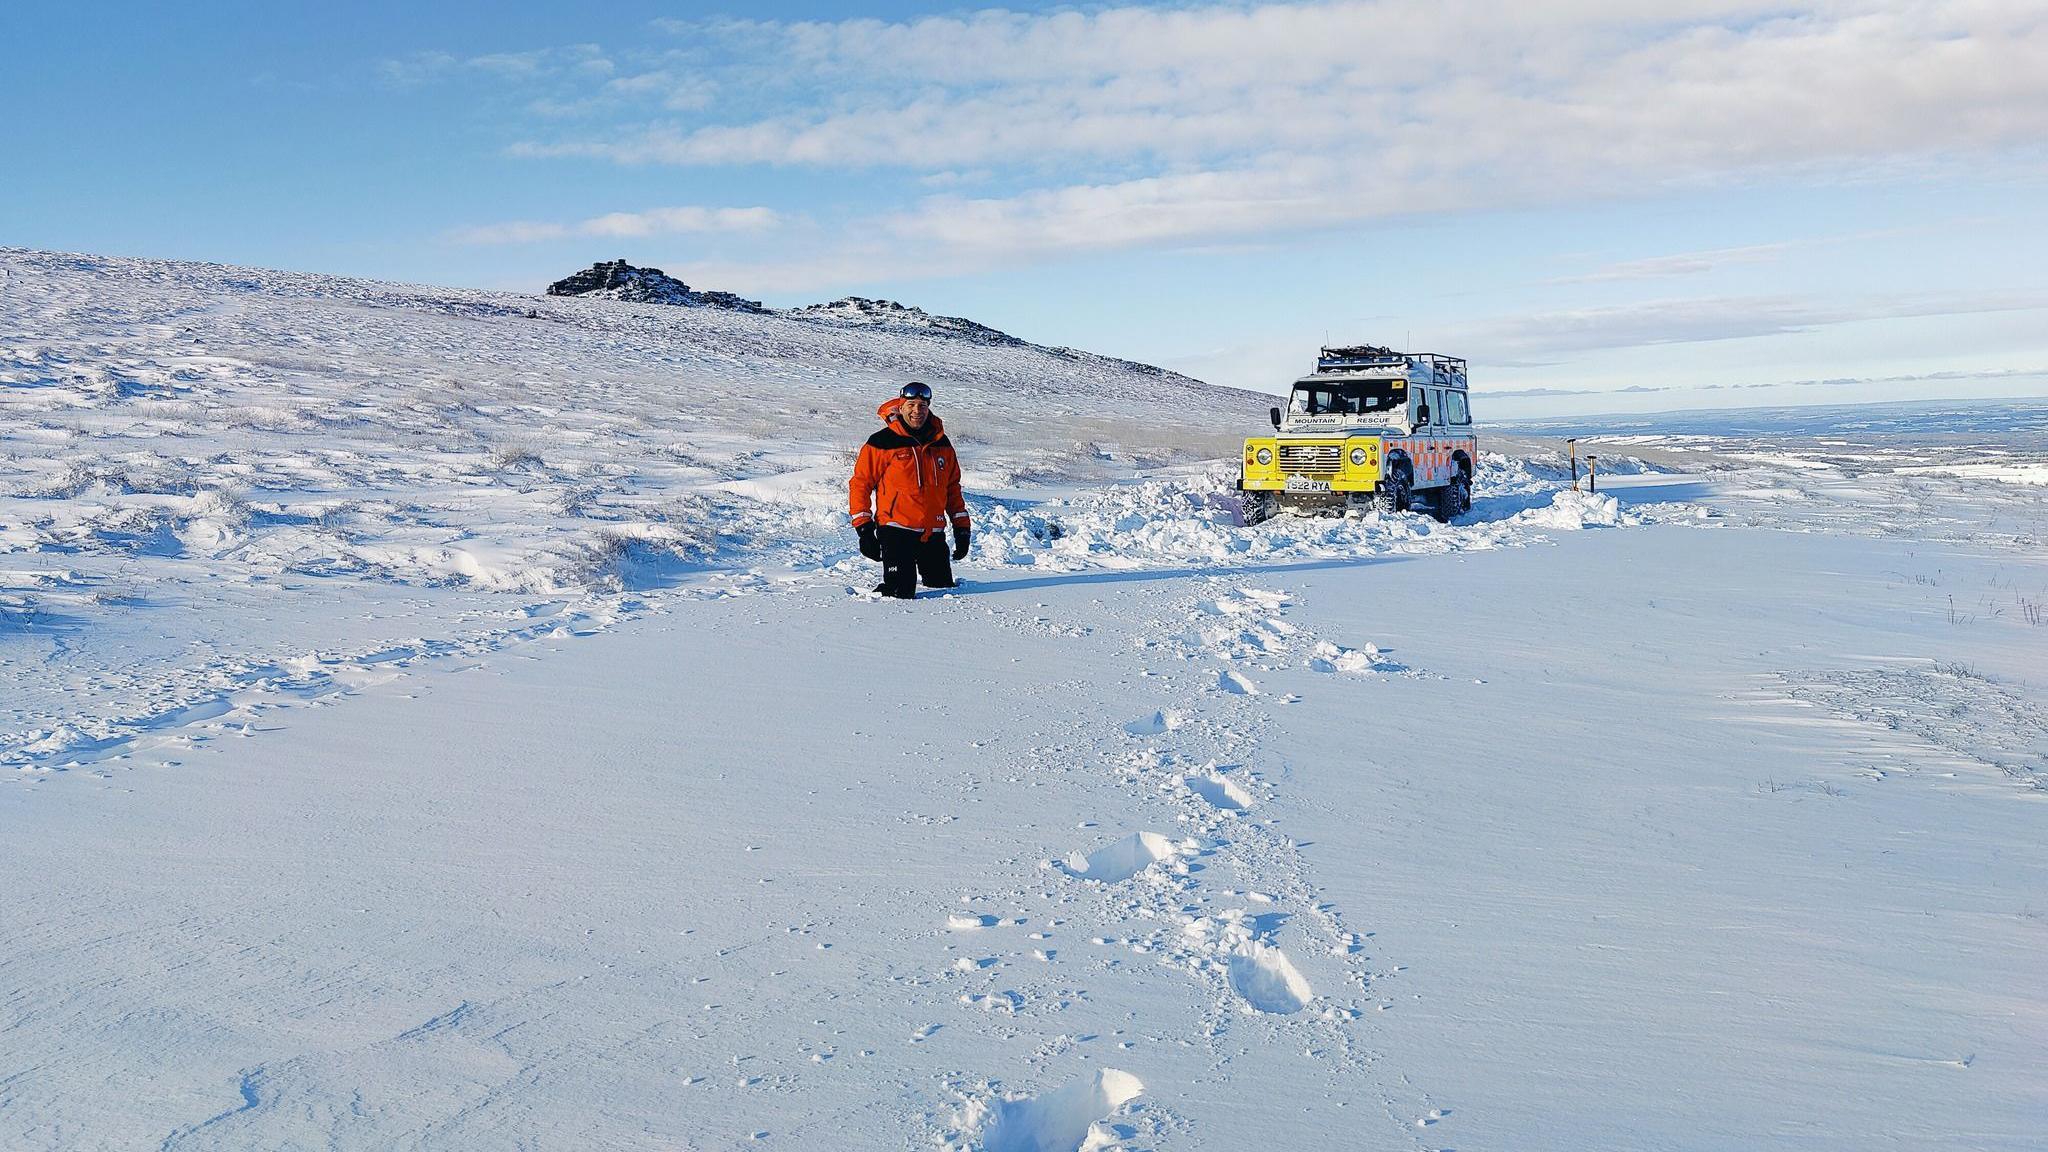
915 411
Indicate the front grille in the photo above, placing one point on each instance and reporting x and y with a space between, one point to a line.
1311 459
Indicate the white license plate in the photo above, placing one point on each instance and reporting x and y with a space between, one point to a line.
1300 484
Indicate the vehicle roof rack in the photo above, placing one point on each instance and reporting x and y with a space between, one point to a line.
1348 358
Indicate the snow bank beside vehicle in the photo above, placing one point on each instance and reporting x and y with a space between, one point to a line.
1571 511
1195 518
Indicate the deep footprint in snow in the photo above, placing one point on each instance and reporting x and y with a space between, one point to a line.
1231 682
1117 862
1268 980
1071 1119
1219 790
1004 1001
1271 601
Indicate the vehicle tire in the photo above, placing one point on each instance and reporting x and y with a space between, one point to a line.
1395 492
1258 507
1454 499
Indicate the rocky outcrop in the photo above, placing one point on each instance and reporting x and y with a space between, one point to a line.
851 311
618 280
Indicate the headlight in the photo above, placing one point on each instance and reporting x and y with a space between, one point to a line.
1357 456
1265 456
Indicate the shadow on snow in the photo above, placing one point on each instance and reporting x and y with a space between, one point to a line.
1131 576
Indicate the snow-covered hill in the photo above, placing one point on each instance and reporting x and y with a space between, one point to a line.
619 281
395 412
279 440
439 719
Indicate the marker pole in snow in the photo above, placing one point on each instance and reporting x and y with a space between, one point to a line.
1573 444
1592 474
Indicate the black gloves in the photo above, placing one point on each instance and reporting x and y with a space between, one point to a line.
871 541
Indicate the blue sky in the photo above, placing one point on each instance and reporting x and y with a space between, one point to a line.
1725 202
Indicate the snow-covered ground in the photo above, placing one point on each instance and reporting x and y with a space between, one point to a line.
427 724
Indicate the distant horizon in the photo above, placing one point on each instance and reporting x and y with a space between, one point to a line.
1760 409
1488 396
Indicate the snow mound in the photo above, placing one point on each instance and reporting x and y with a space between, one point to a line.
1570 511
1330 657
1268 980
1067 1120
1192 518
1117 862
1157 723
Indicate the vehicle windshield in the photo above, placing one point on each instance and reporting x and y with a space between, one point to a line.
1350 398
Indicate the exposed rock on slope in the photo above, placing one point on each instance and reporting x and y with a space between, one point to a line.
859 310
618 280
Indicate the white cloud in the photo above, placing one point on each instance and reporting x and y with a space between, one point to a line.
418 68
1190 126
1706 319
1589 92
652 222
575 62
945 235
1710 260
1679 264
676 93
1145 211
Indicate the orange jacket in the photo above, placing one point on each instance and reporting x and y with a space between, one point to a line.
907 478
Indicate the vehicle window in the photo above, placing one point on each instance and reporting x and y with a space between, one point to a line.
1459 411
1433 400
1351 398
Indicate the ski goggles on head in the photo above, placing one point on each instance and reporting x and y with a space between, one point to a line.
916 391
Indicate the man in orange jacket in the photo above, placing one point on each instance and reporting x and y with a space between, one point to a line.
906 486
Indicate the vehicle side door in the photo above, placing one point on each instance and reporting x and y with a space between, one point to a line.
1458 414
1429 454
1416 442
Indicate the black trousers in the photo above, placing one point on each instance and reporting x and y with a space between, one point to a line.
906 559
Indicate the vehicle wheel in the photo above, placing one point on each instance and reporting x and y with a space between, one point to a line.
1455 498
1395 493
1258 507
